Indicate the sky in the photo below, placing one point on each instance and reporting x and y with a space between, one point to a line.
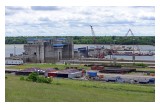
76 20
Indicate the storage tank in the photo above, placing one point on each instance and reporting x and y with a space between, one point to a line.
92 73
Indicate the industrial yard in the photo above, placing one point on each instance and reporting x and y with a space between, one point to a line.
86 87
84 71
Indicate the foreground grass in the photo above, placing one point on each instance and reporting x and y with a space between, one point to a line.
66 90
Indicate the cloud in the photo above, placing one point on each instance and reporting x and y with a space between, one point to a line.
45 8
148 18
53 20
14 8
44 19
11 10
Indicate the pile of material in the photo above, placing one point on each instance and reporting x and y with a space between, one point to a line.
117 70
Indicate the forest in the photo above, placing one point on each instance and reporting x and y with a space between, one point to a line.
120 40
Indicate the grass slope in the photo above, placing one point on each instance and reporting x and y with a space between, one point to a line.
66 90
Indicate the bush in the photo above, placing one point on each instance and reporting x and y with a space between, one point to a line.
33 77
140 65
48 80
41 79
114 65
36 78
22 78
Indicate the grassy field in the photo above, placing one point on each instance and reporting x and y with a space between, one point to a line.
61 66
44 65
66 90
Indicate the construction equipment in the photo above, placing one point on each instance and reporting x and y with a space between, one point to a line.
98 49
93 34
133 39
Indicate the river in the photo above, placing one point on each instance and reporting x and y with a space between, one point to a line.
19 50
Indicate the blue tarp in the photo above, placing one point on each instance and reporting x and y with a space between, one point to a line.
61 39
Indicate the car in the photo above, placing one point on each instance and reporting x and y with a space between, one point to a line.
152 81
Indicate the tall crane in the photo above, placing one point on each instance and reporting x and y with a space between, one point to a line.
99 54
128 32
133 56
93 34
133 38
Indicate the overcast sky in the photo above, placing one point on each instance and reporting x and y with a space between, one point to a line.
75 21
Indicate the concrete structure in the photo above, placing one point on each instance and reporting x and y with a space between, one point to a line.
48 50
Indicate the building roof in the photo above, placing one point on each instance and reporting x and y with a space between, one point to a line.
58 45
35 39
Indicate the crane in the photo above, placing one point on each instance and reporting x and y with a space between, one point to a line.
100 55
133 38
128 32
93 34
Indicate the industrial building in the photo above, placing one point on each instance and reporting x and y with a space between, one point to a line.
48 50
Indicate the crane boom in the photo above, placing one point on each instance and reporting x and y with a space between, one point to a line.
133 39
128 32
93 34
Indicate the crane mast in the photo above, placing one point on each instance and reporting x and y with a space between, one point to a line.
133 38
93 34
128 32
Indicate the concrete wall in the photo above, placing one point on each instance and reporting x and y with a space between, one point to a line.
68 51
31 51
49 54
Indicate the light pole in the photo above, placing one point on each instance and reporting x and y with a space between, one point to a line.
114 49
14 50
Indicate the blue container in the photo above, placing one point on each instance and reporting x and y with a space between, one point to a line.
92 73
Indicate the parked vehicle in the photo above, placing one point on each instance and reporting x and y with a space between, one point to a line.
115 79
152 81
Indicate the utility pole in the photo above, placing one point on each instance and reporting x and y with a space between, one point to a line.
14 48
133 56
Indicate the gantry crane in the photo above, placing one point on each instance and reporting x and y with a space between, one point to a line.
133 38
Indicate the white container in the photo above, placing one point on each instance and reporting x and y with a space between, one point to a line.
13 62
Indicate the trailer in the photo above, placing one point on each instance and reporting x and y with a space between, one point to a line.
13 62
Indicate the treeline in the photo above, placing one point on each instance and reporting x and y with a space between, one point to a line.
15 40
121 40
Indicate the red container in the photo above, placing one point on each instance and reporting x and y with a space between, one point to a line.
52 74
100 68
93 67
83 72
